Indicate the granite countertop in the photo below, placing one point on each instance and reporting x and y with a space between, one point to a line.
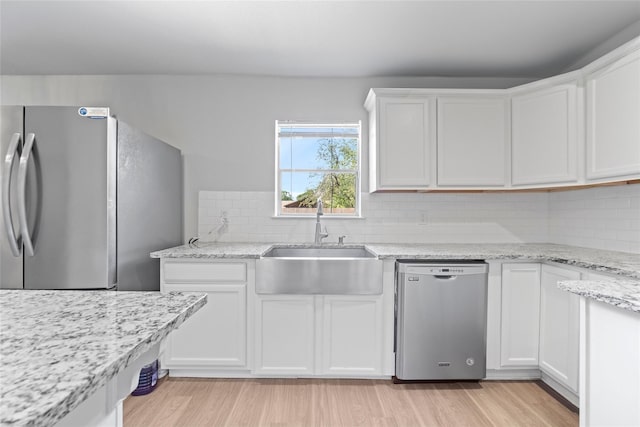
58 347
214 250
622 291
619 263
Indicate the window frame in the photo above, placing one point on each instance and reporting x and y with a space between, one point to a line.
278 169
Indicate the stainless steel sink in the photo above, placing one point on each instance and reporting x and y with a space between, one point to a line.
319 252
352 270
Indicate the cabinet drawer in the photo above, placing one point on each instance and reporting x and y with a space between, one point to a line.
183 272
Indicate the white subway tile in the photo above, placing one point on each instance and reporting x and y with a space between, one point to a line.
596 217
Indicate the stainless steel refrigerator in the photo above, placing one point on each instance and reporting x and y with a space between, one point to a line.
85 199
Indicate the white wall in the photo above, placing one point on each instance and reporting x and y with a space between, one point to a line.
224 125
604 218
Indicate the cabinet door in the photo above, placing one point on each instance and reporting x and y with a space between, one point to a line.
285 334
520 315
472 141
404 142
613 127
544 136
352 335
215 336
559 327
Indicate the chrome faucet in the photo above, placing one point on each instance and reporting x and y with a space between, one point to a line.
319 234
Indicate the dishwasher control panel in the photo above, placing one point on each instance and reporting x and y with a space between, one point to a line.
443 270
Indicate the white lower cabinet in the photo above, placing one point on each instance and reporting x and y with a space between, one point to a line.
215 338
352 335
330 335
216 335
609 363
559 327
539 326
239 333
285 332
520 310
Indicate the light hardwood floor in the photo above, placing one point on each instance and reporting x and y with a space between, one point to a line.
187 402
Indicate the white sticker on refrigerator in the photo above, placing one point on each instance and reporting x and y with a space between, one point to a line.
94 112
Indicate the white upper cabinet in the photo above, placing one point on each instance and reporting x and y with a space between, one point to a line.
613 120
472 141
544 136
401 131
579 128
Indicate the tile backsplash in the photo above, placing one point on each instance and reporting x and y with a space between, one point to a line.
603 217
386 218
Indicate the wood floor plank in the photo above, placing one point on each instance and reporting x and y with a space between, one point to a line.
254 397
186 402
448 405
397 406
212 402
501 410
354 401
290 404
543 405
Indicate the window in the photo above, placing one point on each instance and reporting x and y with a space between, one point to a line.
316 160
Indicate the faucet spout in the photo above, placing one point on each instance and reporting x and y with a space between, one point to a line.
319 233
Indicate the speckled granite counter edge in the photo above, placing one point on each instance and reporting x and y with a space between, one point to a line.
561 254
83 391
214 251
619 293
125 360
631 274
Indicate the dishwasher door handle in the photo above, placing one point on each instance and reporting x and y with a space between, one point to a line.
445 277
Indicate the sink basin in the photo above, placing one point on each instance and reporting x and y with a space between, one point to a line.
319 252
329 270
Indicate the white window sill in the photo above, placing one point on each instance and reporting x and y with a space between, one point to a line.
324 217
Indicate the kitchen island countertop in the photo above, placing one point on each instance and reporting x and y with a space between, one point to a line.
58 347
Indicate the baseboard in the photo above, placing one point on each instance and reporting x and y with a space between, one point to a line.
512 374
216 373
565 396
208 373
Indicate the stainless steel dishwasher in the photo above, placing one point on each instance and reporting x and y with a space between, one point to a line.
441 317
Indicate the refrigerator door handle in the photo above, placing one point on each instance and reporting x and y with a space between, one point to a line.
14 242
22 187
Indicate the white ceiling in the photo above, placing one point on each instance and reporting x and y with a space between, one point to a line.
306 38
